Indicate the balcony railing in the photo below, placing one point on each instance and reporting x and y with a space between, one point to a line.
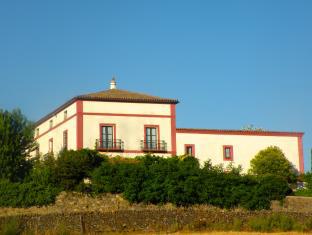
154 146
110 146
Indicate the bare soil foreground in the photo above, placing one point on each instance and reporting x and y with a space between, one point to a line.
110 214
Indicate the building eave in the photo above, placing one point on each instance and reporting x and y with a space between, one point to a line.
238 132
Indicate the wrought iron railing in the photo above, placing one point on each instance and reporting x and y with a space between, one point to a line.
154 146
110 146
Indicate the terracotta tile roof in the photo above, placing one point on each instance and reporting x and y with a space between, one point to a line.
112 95
117 95
238 132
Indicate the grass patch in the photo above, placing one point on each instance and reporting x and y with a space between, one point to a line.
11 227
275 222
303 192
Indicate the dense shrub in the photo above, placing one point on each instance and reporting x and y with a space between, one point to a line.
182 181
72 167
149 179
273 161
43 171
112 175
26 194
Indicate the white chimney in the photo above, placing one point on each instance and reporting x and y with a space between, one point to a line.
113 84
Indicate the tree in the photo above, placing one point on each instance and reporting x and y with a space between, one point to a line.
252 128
16 143
272 161
73 166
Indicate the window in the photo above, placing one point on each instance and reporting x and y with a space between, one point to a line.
37 132
51 145
65 139
65 114
107 136
228 153
151 137
51 124
189 149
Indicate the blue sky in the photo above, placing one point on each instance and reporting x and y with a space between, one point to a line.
230 63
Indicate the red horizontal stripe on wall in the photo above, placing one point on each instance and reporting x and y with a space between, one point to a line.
128 115
56 126
238 132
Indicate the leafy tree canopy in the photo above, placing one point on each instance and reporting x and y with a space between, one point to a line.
272 161
16 143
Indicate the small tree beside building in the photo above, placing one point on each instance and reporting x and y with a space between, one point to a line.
273 161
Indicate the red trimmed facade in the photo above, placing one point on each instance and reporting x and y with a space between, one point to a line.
301 158
192 146
173 129
238 132
228 153
174 140
79 129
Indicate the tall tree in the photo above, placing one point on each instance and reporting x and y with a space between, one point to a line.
16 143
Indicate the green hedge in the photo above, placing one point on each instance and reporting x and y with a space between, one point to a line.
48 177
149 179
26 194
182 181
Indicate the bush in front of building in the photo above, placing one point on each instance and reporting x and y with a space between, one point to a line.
112 175
148 179
48 177
26 194
272 160
267 188
71 167
181 181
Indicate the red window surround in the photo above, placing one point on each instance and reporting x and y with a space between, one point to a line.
228 153
65 139
114 130
152 126
186 146
51 145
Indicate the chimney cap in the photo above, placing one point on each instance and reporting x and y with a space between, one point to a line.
113 84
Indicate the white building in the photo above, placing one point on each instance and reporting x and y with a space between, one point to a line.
119 122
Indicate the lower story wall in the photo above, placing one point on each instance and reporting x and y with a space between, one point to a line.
244 147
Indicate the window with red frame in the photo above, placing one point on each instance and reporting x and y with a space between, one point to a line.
190 149
51 145
65 139
228 153
151 137
107 136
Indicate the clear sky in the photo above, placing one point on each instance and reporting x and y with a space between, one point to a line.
230 63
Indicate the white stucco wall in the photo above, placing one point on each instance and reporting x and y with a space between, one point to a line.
245 147
126 108
59 125
57 118
129 129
